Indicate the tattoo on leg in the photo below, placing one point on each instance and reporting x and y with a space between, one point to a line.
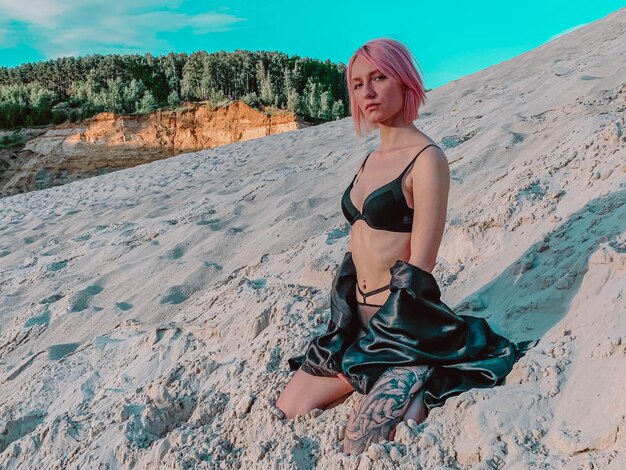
375 415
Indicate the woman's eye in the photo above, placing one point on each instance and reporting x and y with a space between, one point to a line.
379 76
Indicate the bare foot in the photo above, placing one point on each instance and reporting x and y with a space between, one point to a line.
374 416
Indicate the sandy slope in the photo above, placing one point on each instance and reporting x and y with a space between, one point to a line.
146 315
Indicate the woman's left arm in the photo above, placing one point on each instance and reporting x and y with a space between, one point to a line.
430 178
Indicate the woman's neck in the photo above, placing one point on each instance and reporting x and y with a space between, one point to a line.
395 138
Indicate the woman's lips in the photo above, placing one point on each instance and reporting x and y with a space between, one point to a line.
373 106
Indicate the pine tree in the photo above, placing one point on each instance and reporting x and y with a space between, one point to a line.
312 98
147 104
190 84
132 93
326 105
338 111
173 100
266 91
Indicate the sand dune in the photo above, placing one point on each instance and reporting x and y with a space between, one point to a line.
146 315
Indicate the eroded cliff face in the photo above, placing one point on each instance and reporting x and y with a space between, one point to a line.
109 142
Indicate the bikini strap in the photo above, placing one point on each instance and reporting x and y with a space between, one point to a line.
361 167
372 292
415 158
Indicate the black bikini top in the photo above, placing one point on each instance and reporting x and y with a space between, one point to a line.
385 208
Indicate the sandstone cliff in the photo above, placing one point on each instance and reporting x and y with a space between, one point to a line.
109 142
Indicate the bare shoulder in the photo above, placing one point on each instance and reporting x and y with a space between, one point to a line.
433 153
432 162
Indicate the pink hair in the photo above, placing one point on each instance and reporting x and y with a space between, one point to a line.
393 59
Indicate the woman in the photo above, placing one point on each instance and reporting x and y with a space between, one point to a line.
381 341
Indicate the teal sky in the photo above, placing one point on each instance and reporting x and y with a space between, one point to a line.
449 39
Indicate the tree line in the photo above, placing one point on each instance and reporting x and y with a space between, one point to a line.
74 88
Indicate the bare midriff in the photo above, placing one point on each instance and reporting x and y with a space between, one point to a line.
375 251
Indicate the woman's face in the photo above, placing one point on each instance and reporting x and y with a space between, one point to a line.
370 86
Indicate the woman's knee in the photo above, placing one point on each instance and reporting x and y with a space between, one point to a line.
290 406
305 392
293 404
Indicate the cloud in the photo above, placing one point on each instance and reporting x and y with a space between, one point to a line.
38 12
76 27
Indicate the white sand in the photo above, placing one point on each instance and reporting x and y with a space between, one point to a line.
146 315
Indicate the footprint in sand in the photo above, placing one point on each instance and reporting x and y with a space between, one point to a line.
42 319
210 264
81 302
214 224
82 238
123 305
175 295
176 253
57 265
100 343
517 138
51 299
256 283
59 351
450 141
336 233
589 77
532 192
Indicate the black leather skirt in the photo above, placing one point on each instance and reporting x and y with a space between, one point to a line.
413 327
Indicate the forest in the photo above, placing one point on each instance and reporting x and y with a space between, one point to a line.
75 88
